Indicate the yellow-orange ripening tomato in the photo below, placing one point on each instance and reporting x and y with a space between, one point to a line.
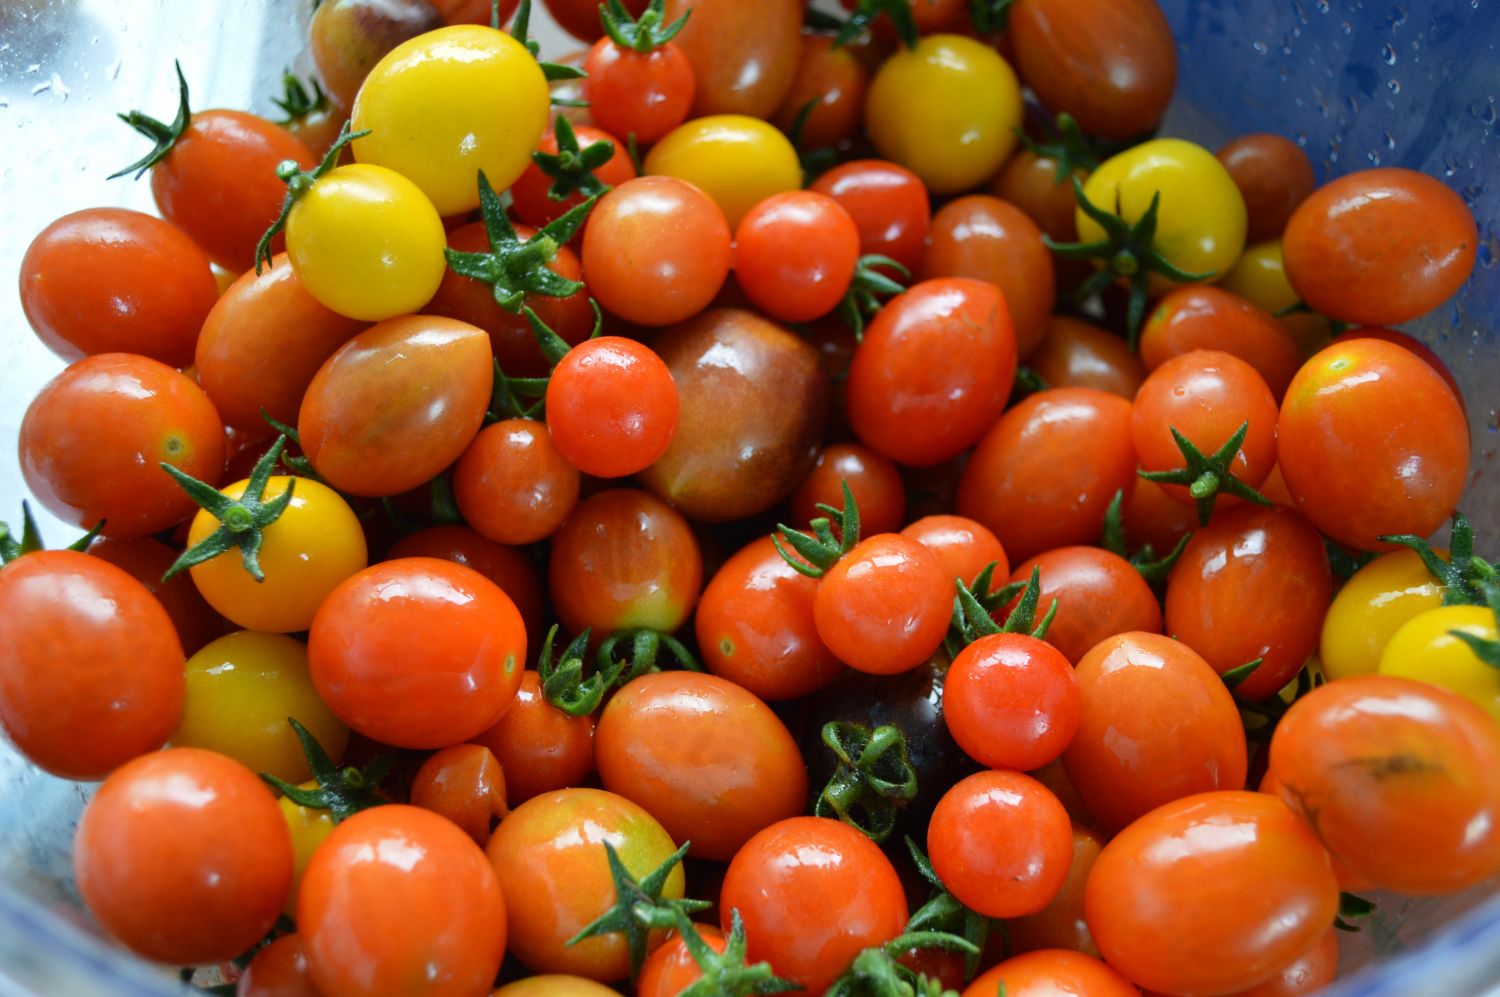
737 160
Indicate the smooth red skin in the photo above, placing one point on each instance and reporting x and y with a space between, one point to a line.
1078 354
1061 924
1205 395
645 94
1044 474
90 668
794 255
1210 318
671 968
873 480
836 80
1274 175
1051 973
183 855
813 893
348 37
933 372
397 894
530 200
656 250
262 344
965 547
417 652
1153 517
464 783
541 748
1397 778
744 56
1371 441
611 407
1011 702
753 404
624 559
580 18
507 567
1239 867
1253 583
1029 181
146 560
1307 974
396 404
755 626
1379 247
1111 64
512 484
888 204
109 280
511 338
1157 725
1001 843
985 238
219 183
660 743
93 439
885 606
278 970
1413 345
1099 594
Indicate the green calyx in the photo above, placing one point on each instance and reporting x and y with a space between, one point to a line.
1352 908
342 792
873 781
242 521
1484 648
726 974
876 973
295 102
515 268
640 34
1066 145
989 16
1128 251
1206 476
520 30
563 682
628 654
30 540
1464 574
298 182
1236 677
526 397
971 614
163 135
944 912
862 17
821 549
622 656
639 908
862 300
572 168
1152 568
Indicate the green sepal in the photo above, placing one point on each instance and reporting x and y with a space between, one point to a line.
726 974
1065 144
1153 569
506 395
813 161
300 466
31 541
1464 574
572 167
343 792
298 182
295 102
629 654
242 522
989 16
862 300
1486 649
944 912
563 682
876 973
163 136
640 34
1352 908
1208 475
865 14
820 550
1236 676
520 30
873 780
971 614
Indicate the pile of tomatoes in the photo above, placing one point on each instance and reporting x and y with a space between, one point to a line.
776 502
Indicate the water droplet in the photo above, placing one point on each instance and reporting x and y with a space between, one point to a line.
1259 47
1388 54
1470 193
1450 164
113 72
1488 115
1390 140
1353 103
1397 18
1394 85
35 67
1374 156
1321 6
1302 139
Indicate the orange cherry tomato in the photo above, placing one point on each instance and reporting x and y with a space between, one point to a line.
465 784
540 748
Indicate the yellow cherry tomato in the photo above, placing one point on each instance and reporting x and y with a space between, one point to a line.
1376 602
241 689
367 243
315 544
947 110
1200 220
554 985
737 160
1260 278
309 827
446 104
1425 649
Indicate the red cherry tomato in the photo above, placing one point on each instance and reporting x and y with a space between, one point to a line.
964 546
888 204
744 55
834 81
884 607
146 560
1075 354
671 969
1098 595
541 748
1210 318
507 567
611 407
1051 973
794 255
580 18
645 94
512 485
465 784
873 480
1011 701
1308 974
278 970
529 194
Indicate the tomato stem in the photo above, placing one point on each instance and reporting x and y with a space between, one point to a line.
641 34
520 30
873 779
639 908
945 913
862 300
563 683
31 537
298 183
242 521
1154 570
163 136
726 974
972 617
342 792
875 972
1463 573
1207 475
571 167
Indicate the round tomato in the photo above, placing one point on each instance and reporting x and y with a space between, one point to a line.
795 254
1061 924
464 783
346 38
833 80
889 206
611 407
645 94
1099 594
1426 649
556 985
1011 702
737 160
1076 354
540 748
278 970
1051 973
511 483
744 56
885 606
1274 175
873 480
672 968
1372 605
1210 318
964 546
507 567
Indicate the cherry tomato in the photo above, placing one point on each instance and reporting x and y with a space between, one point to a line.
183 856
1153 517
987 239
611 407
1001 843
947 109
889 206
656 250
1426 236
512 485
108 280
396 404
240 691
671 968
580 18
91 667
146 560
1376 602
1396 778
1307 974
1424 648
964 546
1044 474
1011 702
1274 175
813 893
737 160
885 606
278 970
554 985
1157 725
744 56
93 439
464 783
540 748
795 253
1029 181
645 94
1051 973
1061 924
309 827
348 37
417 653
1412 345
530 197
1076 354
1371 441
1210 318
933 371
872 479
398 894
549 856
1199 858
833 81
1099 594
507 567
624 560
313 546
